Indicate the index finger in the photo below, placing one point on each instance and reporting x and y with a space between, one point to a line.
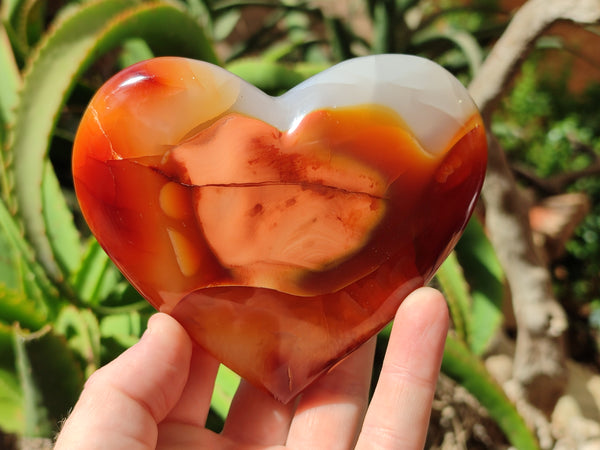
398 416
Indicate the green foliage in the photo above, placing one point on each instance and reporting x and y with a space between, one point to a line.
552 131
272 77
64 54
50 386
473 283
485 277
225 386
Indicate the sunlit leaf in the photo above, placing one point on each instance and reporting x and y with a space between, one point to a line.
10 83
120 331
82 332
225 23
96 277
226 385
456 290
36 417
271 77
30 21
62 234
9 8
127 328
134 51
19 270
485 277
48 79
10 79
51 385
384 21
11 403
461 39
16 307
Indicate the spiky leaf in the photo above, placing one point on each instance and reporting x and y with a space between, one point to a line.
74 43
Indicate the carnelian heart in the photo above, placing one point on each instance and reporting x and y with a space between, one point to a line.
281 232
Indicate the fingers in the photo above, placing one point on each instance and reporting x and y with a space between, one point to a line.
184 425
255 417
331 410
122 402
194 404
398 415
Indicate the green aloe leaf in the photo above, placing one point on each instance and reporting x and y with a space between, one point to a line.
11 403
9 272
464 41
11 395
16 307
7 357
456 290
11 12
485 277
50 386
384 22
120 331
202 11
76 40
81 329
468 370
46 84
274 77
226 385
10 83
271 77
10 79
224 24
134 51
126 326
8 9
96 277
62 234
19 271
30 21
341 38
35 414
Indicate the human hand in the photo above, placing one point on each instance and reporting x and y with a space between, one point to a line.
157 395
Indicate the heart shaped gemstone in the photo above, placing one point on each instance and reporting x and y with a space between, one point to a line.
282 232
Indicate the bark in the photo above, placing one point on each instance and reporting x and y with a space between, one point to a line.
539 358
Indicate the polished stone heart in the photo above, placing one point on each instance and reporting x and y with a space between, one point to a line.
281 232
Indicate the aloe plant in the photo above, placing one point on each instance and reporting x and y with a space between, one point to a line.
59 289
59 292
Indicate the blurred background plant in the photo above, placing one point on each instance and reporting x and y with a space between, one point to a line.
64 308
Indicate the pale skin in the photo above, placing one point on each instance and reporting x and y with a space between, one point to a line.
157 395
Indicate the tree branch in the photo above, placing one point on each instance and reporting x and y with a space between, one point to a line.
557 183
530 21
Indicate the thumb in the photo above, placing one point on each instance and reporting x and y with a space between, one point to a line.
123 401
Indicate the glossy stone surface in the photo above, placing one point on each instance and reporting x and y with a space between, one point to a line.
281 232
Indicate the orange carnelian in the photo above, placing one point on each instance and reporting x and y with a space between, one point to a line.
279 251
